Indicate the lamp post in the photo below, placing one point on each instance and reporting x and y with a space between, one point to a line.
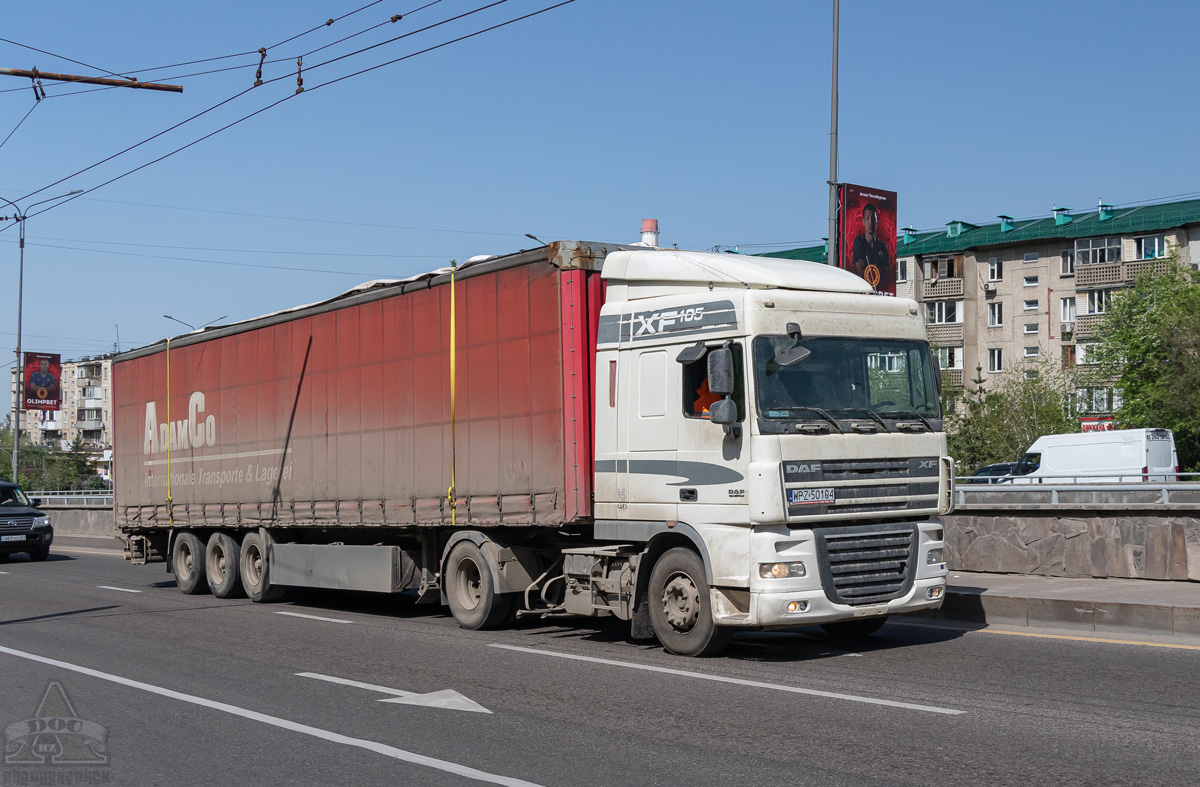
194 328
20 218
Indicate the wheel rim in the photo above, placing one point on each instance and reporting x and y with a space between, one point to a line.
468 584
254 565
681 602
218 563
184 566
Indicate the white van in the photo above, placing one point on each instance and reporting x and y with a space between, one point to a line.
1099 457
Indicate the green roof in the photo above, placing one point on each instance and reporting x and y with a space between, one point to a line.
810 253
1125 221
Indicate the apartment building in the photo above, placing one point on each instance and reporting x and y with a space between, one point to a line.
999 295
86 398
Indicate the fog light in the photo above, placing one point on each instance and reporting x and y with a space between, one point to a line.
935 556
934 592
780 570
797 606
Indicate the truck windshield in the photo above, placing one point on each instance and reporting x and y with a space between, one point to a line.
886 377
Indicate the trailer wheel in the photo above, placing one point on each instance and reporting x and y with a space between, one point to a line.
187 558
853 629
222 560
473 599
681 606
256 579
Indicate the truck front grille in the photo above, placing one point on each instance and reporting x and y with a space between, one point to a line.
866 564
860 486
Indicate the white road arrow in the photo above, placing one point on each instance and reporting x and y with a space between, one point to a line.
446 698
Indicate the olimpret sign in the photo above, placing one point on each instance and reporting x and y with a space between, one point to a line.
41 376
196 431
867 235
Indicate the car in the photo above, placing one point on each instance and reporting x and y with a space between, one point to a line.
989 474
23 528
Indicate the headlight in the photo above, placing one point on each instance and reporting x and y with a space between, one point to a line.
41 521
780 570
934 557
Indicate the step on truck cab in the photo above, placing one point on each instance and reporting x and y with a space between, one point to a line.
694 442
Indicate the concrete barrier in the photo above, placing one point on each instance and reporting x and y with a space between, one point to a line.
82 521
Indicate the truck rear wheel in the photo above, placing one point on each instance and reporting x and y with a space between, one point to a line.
255 571
471 592
222 560
853 629
187 559
681 606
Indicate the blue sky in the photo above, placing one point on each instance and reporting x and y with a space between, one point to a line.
710 115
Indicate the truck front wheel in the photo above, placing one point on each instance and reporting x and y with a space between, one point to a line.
471 592
681 606
256 576
187 558
221 563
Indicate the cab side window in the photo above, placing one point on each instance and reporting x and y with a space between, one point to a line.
697 398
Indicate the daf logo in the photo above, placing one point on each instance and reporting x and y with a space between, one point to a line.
648 325
925 464
815 467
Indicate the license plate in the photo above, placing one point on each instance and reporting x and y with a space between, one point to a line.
797 497
12 538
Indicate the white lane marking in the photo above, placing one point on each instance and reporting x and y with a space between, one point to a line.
313 617
123 590
739 681
446 698
3 572
240 455
285 724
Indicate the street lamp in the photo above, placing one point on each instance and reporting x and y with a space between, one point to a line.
194 328
20 218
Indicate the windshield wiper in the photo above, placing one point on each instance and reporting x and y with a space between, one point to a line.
824 415
870 413
911 414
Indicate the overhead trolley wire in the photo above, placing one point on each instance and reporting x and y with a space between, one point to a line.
64 57
19 122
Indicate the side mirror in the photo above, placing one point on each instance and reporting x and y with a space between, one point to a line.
37 502
723 412
794 354
720 371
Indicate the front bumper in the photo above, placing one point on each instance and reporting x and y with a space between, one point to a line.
770 610
36 538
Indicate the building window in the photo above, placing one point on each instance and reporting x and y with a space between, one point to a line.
995 360
942 267
1031 327
1067 309
1031 374
1068 356
1031 352
942 312
1031 257
995 314
1150 247
1031 281
1067 261
995 269
1083 354
950 357
1097 399
1091 251
1099 300
1031 306
901 271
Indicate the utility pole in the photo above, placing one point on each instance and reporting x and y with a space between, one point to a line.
36 75
833 146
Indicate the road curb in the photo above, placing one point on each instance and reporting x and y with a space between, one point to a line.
973 606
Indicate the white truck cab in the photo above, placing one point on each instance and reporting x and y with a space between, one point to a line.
783 420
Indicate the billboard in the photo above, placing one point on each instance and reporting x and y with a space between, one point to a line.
40 386
867 235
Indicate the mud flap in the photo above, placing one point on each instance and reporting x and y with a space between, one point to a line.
640 627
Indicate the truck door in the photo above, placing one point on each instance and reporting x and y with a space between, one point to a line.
650 435
711 465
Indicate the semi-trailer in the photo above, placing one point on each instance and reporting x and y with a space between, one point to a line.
694 442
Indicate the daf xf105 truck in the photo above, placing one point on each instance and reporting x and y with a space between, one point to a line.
695 442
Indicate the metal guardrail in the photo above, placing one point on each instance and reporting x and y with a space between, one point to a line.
94 498
1116 491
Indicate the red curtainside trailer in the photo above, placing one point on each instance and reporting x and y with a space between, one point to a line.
350 412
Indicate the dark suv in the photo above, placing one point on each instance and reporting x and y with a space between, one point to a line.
23 528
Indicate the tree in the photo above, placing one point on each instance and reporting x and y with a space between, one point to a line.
998 425
1150 352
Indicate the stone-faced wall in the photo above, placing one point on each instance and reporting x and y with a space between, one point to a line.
1126 544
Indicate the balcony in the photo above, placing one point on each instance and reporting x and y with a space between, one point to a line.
89 426
92 404
87 382
1086 325
50 426
944 288
950 335
1115 274
952 378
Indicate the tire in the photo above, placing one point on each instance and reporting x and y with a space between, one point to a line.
854 629
681 606
471 592
255 570
222 564
39 554
187 560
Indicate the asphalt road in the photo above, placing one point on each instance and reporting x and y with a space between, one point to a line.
192 690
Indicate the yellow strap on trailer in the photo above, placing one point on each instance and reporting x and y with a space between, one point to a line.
170 508
450 493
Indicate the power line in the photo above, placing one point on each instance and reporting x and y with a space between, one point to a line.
32 242
64 57
22 120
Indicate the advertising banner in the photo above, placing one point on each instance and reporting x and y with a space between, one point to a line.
42 375
867 235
